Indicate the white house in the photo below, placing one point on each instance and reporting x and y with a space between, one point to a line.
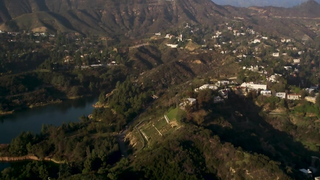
206 86
157 34
251 85
296 61
276 54
224 92
188 101
294 96
192 101
168 36
281 95
223 83
172 45
309 90
274 77
287 67
266 93
256 41
224 52
264 37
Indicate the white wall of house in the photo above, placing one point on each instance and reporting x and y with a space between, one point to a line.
281 95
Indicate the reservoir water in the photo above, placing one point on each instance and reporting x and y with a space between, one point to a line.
32 119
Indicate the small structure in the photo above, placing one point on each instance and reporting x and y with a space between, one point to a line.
273 78
256 41
224 93
287 67
157 34
266 93
293 96
172 45
281 95
206 86
223 83
188 101
296 61
276 54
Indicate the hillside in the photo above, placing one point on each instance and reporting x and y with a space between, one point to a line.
112 17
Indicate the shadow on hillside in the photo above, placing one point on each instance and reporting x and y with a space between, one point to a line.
253 134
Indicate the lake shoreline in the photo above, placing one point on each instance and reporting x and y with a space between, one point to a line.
42 104
8 159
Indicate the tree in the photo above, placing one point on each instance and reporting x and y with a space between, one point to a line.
75 91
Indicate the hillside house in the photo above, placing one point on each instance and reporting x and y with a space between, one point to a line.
169 36
157 34
293 96
206 86
172 45
287 68
296 61
266 93
188 101
255 41
276 54
281 95
223 83
251 85
274 77
224 93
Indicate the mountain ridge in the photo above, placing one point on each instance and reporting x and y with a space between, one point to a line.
113 16
136 18
261 3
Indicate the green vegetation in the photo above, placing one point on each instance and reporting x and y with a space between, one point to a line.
176 114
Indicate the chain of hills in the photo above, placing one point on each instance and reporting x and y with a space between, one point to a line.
134 18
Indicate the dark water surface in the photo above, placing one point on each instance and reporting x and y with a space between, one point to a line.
32 119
